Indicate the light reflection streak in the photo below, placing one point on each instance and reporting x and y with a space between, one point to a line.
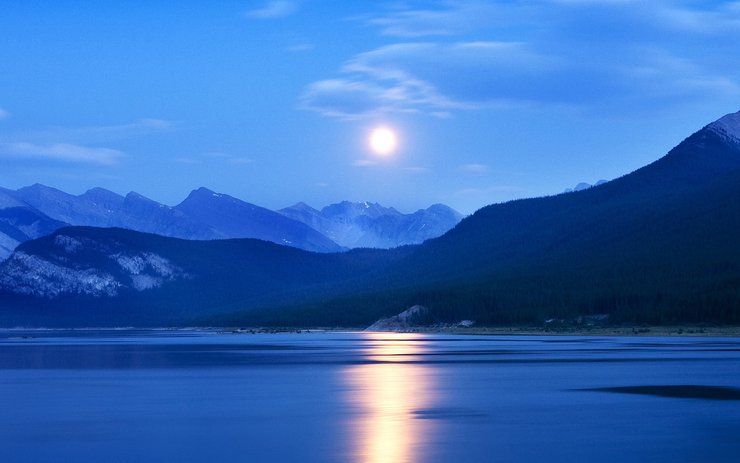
386 392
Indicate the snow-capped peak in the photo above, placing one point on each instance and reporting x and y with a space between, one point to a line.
728 126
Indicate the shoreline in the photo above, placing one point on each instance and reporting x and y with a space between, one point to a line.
636 331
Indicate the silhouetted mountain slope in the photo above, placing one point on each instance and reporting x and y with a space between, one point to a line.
658 231
22 223
102 208
8 199
584 186
64 207
233 218
203 215
658 245
650 200
114 276
19 222
140 213
653 246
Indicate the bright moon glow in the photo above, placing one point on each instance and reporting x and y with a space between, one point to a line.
383 141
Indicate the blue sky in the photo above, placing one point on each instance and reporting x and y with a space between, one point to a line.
272 102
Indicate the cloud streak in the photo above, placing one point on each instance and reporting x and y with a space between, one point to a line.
215 157
273 10
61 152
102 134
228 158
364 163
77 145
449 19
476 169
4 114
628 59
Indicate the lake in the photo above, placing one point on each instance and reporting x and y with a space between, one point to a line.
203 396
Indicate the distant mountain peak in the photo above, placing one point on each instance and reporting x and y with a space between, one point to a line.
438 208
584 186
134 195
99 190
359 208
727 126
366 224
98 194
38 188
206 191
206 194
233 218
301 206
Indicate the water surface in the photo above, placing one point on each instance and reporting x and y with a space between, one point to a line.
188 395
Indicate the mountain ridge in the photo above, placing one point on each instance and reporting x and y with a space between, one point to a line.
193 218
657 245
366 224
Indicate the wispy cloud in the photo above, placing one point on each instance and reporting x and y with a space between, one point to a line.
227 158
189 161
610 55
4 114
717 19
346 98
79 145
477 169
87 135
61 152
448 19
274 9
432 78
215 158
364 163
299 47
416 169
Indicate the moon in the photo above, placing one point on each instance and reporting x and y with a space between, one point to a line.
383 141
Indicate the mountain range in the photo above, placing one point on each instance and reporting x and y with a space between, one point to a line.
37 210
658 245
370 225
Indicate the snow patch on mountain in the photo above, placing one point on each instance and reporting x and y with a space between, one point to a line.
68 244
138 264
32 275
144 282
60 272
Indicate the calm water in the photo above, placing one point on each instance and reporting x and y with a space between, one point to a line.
180 396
